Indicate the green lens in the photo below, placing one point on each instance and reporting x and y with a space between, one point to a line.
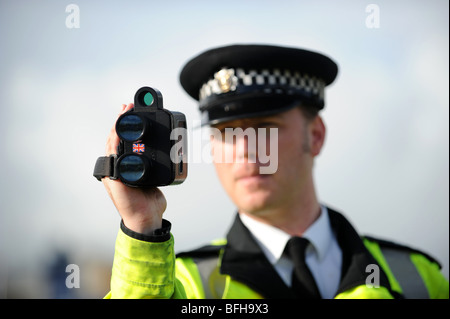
148 99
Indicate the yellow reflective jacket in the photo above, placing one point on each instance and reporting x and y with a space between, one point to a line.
236 268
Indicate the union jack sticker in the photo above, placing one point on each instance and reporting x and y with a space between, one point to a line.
138 148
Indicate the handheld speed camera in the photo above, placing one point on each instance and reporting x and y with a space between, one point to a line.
153 145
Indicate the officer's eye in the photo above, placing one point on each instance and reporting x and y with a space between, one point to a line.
268 124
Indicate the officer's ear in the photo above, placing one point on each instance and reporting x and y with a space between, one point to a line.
317 131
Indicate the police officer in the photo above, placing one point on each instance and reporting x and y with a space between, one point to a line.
283 242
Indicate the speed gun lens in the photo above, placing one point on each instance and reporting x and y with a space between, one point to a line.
130 128
132 168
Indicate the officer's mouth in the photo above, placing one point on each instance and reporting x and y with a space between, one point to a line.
253 179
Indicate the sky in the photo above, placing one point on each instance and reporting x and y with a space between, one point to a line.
385 163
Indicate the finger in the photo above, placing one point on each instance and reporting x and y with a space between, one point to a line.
112 142
113 139
128 107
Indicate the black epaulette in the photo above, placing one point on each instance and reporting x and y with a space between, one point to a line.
401 247
207 251
207 261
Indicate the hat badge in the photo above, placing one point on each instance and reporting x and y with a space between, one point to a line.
226 80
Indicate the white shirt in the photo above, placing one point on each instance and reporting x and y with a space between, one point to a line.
323 255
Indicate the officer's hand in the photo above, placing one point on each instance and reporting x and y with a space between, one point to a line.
141 210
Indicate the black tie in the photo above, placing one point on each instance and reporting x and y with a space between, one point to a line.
303 282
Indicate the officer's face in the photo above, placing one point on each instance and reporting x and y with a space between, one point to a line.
287 156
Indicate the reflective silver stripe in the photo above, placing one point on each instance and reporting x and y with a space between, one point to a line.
406 273
213 282
228 80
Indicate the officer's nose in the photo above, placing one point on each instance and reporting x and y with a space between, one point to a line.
245 147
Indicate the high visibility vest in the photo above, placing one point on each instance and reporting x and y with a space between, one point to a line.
236 268
411 274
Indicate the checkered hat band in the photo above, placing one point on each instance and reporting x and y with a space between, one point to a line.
262 78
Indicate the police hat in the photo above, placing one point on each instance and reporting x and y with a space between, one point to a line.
240 81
